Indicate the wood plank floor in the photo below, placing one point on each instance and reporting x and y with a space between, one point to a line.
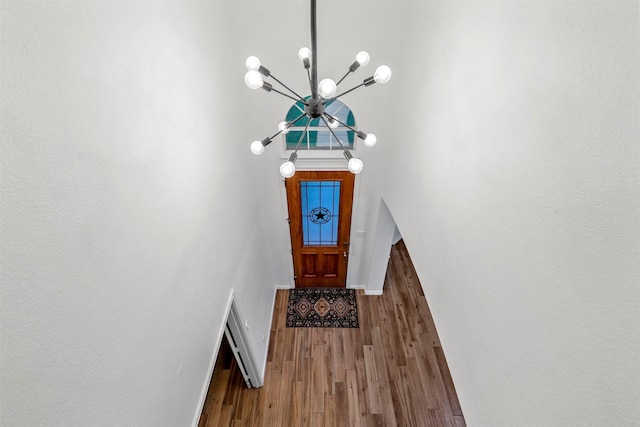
390 372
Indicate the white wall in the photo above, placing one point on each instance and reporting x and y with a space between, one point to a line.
383 238
126 220
131 205
513 175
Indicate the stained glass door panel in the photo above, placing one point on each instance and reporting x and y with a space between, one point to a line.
320 202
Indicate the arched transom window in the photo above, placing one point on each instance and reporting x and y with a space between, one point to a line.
318 136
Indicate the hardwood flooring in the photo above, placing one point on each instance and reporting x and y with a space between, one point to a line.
390 372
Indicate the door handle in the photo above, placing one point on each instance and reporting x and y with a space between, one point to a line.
344 254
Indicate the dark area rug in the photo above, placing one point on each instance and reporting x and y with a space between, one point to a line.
322 308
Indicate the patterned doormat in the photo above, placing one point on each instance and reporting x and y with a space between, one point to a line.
322 308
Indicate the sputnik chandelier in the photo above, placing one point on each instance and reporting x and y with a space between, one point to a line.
314 106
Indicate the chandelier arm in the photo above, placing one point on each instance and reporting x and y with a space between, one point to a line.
301 99
292 123
287 95
333 133
314 52
274 135
343 77
342 123
343 93
301 137
309 77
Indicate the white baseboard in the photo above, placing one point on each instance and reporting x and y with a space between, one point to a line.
366 292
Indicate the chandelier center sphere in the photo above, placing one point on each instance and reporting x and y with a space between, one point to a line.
314 107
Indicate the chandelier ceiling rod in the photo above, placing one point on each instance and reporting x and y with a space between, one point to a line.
322 95
314 52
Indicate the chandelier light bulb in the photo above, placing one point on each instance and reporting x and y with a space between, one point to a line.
283 127
362 58
333 123
257 148
382 74
327 88
253 79
253 63
287 169
370 140
355 165
304 53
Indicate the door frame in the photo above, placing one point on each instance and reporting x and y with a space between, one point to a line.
347 192
233 322
237 336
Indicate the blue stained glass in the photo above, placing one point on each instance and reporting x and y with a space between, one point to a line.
320 202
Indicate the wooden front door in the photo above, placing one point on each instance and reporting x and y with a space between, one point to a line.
320 221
